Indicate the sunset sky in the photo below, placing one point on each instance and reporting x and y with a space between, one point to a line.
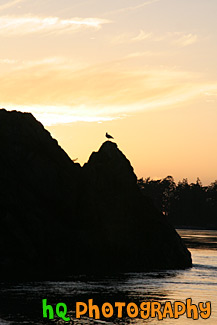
144 71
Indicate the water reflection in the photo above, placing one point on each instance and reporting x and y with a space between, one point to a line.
21 303
199 238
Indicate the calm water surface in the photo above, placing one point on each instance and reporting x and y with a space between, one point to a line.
20 303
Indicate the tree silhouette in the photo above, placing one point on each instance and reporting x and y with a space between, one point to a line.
184 204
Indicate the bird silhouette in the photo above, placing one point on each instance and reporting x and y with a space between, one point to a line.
108 136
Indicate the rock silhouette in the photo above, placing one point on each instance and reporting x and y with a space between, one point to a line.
58 218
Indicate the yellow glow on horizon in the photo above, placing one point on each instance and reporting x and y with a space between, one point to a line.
94 93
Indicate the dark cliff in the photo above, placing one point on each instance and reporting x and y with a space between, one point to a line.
59 218
134 234
38 195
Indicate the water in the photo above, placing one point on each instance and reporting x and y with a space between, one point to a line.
20 303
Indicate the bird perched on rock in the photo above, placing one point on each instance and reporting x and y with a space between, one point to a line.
108 136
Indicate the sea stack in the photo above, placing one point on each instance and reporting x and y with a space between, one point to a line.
129 233
58 218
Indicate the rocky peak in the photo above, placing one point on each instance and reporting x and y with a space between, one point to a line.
111 151
27 138
111 167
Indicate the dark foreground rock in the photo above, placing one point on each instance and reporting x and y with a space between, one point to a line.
57 218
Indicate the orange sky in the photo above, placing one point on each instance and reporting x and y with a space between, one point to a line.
144 71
